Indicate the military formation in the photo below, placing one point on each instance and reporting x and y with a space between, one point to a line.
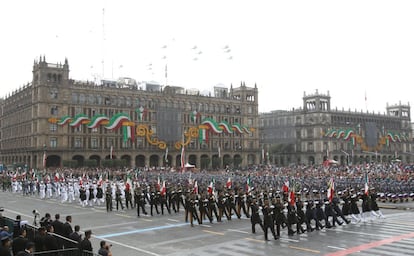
300 199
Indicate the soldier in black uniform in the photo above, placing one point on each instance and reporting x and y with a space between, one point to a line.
320 214
346 207
240 203
153 202
316 209
354 207
108 198
128 197
268 221
82 195
291 218
374 206
255 216
139 199
204 208
99 194
366 205
329 212
163 202
221 203
91 195
191 208
301 216
118 198
212 207
278 215
179 198
337 210
172 198
230 205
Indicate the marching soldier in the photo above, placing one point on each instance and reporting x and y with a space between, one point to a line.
268 220
212 207
128 196
301 216
108 198
255 216
118 198
278 215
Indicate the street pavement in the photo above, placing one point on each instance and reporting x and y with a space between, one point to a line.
169 234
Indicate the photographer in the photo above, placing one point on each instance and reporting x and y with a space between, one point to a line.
105 249
36 215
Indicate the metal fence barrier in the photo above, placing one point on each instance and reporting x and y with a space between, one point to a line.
69 247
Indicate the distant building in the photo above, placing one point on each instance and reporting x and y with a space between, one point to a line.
57 121
315 133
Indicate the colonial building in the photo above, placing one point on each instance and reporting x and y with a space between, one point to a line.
57 121
315 133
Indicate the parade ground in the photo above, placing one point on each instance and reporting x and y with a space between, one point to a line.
169 234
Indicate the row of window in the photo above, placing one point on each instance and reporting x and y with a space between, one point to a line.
94 143
120 101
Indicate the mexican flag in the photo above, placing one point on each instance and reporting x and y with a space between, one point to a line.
331 189
249 185
366 189
210 188
228 183
202 135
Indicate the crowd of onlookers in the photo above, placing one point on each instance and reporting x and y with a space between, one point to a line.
51 236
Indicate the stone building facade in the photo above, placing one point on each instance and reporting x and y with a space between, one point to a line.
316 132
56 119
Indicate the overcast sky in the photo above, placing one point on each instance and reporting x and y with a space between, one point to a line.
362 52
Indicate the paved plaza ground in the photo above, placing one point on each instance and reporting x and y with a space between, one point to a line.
170 235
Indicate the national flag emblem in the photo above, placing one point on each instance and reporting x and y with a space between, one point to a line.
228 183
285 187
163 189
366 189
210 187
331 189
249 185
196 188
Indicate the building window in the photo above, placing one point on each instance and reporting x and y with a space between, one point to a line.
74 98
54 110
53 142
53 127
310 147
250 121
78 143
94 143
53 93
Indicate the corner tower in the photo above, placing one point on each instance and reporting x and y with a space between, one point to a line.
50 73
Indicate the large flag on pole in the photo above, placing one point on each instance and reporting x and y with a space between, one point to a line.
228 183
196 188
366 189
331 189
249 185
285 187
163 188
210 187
